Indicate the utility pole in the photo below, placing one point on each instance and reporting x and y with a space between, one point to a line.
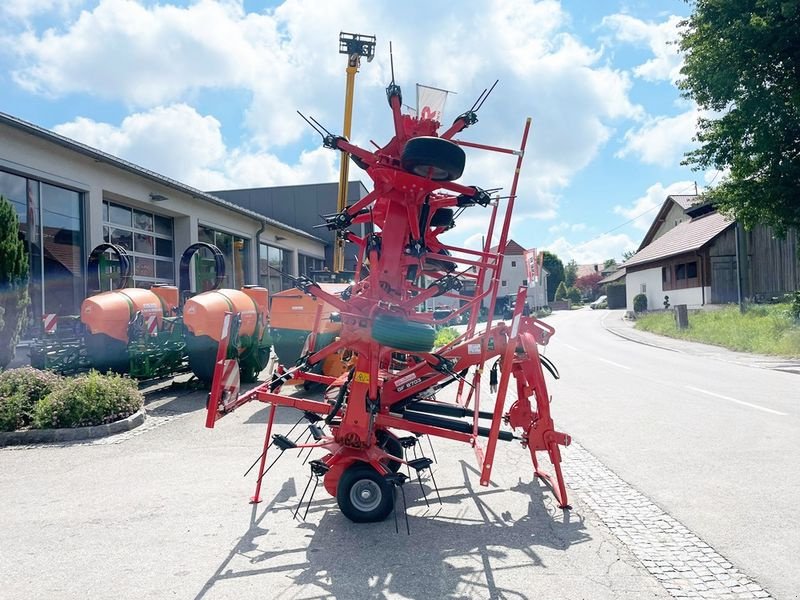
355 46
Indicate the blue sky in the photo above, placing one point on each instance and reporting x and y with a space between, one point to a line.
206 92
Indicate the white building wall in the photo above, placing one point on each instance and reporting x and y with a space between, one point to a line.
37 158
514 273
675 216
648 282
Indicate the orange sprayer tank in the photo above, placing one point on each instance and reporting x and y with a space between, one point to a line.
106 317
204 313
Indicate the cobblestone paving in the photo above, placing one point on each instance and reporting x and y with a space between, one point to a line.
685 565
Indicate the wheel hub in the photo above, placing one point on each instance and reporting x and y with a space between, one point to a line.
365 495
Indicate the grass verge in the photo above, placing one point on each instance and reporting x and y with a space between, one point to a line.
764 329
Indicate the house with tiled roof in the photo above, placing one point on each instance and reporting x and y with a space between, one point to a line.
515 273
692 255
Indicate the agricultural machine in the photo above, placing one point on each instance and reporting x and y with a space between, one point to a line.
154 332
379 407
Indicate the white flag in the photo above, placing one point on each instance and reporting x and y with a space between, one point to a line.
430 102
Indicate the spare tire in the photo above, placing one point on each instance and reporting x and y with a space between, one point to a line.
401 334
433 157
443 217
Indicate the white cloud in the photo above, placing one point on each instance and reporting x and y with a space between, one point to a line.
643 209
150 55
180 143
661 140
567 227
660 38
26 9
595 251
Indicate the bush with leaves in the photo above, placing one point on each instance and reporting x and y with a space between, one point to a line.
91 399
640 303
574 295
444 336
561 292
20 390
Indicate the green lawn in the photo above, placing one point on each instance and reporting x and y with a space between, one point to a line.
763 329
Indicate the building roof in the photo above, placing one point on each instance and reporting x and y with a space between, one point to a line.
615 276
584 270
512 249
686 237
104 157
685 201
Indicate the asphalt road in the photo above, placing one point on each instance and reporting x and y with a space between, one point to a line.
162 512
715 444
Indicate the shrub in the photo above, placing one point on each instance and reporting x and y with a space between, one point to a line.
574 295
91 399
20 390
561 291
639 303
794 306
444 336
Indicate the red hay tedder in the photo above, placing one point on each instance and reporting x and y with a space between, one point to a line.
397 375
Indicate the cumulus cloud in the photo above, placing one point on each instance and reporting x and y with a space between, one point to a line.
180 143
26 9
643 209
567 227
594 251
152 55
660 38
661 140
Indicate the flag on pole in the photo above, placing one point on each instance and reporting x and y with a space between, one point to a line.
430 102
533 266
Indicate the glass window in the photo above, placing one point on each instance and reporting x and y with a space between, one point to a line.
119 215
62 250
680 272
144 235
273 262
235 250
309 265
691 270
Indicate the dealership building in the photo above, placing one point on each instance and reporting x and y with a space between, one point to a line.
70 198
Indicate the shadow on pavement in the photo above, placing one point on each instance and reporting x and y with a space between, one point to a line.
443 556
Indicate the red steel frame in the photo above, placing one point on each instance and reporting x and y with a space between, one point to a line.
374 386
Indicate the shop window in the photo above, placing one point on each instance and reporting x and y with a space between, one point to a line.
273 264
51 225
309 265
147 237
235 249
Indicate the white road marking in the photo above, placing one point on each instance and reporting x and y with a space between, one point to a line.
568 346
728 398
611 362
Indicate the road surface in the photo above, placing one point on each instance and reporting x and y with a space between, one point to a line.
715 444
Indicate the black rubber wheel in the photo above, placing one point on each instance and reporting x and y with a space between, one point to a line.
364 495
443 217
401 334
390 445
251 367
433 157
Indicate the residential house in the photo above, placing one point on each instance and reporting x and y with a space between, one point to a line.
693 255
514 273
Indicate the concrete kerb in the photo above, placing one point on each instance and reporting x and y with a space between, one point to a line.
46 436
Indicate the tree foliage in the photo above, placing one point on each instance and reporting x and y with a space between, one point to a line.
742 65
589 284
561 292
570 273
14 297
555 270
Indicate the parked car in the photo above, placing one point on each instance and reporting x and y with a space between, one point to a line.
601 302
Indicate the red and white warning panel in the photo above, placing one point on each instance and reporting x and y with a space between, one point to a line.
50 323
152 325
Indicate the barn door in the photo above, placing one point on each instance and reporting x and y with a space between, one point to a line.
723 280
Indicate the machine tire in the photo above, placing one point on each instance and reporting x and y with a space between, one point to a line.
391 445
443 217
401 334
364 495
433 157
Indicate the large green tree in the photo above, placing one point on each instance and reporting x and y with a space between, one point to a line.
742 65
570 272
555 270
14 297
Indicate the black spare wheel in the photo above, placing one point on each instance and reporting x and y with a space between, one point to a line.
438 159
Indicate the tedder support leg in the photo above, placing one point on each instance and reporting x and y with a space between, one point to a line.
256 498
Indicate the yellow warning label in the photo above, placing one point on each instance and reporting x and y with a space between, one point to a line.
362 377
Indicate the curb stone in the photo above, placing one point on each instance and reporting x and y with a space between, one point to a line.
44 436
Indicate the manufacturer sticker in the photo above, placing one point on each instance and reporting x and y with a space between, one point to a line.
410 384
473 348
404 379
